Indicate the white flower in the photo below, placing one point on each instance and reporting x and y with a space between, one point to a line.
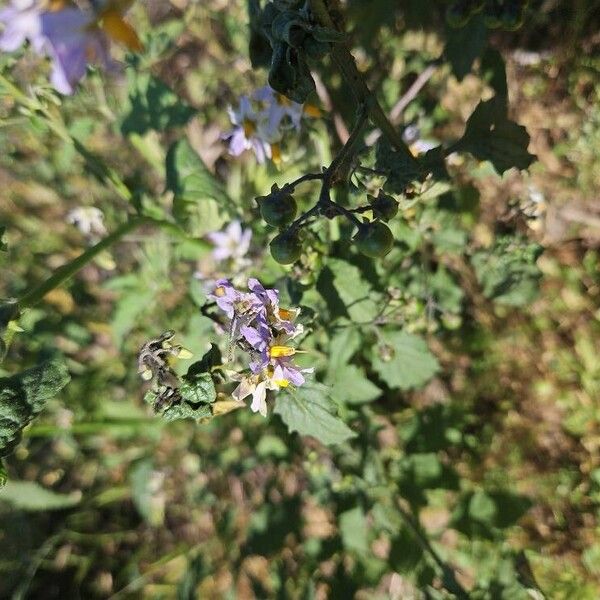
89 220
251 131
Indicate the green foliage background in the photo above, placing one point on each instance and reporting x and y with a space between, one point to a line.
459 426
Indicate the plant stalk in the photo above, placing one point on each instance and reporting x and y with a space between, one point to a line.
64 273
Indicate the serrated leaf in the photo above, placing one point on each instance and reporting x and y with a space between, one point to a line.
350 385
465 45
23 396
200 203
31 496
406 363
490 135
153 105
309 410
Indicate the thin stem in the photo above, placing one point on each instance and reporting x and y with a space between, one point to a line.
64 273
345 61
308 177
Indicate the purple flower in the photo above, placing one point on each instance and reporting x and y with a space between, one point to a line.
22 22
74 42
71 37
226 297
231 243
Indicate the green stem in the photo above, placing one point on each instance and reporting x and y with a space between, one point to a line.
345 62
64 273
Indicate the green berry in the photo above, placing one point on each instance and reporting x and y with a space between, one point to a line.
374 240
286 248
278 209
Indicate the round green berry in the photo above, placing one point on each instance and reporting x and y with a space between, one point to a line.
374 240
286 248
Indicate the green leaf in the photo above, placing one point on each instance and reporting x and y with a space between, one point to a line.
200 203
465 45
405 361
351 386
361 303
143 494
490 135
309 410
31 496
353 530
400 168
3 474
508 271
153 105
482 513
23 396
3 245
405 552
493 70
342 347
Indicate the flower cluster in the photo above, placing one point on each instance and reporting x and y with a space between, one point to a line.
260 121
72 37
262 328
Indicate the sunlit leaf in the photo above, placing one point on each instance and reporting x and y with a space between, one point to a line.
309 410
31 496
404 361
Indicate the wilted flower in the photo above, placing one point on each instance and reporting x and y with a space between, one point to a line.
71 37
260 327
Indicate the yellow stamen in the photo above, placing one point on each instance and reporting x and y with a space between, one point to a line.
249 127
282 383
282 100
279 351
220 291
112 22
286 315
312 111
276 153
56 5
184 353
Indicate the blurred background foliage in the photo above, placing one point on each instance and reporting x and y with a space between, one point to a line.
496 457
